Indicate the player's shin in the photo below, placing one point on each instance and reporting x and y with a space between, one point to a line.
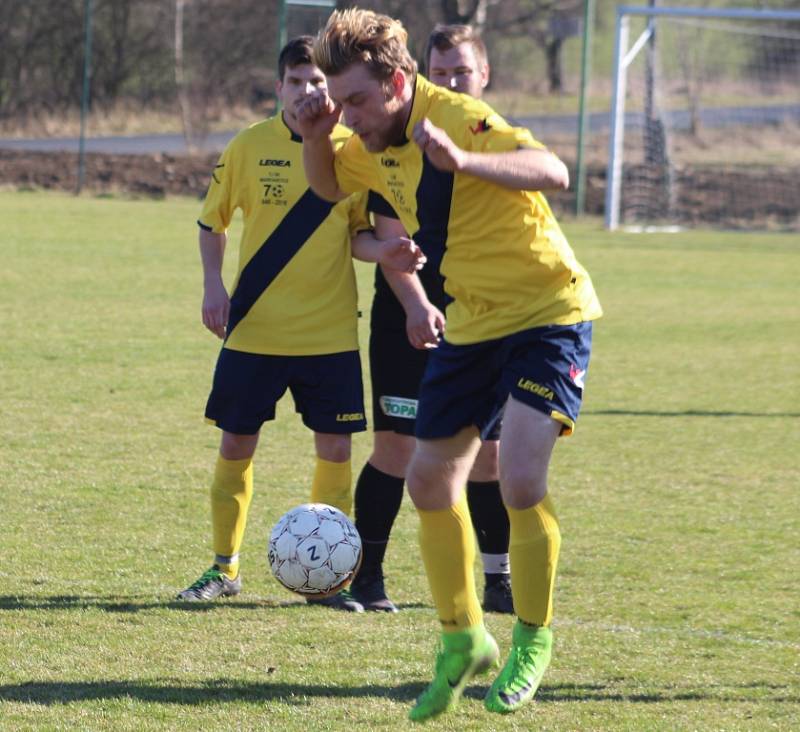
231 492
534 548
447 545
333 485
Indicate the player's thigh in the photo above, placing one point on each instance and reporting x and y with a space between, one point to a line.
440 467
460 389
328 392
487 463
391 452
526 444
396 370
245 390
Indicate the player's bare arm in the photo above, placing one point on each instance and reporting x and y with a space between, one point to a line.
424 321
216 303
398 253
526 169
317 115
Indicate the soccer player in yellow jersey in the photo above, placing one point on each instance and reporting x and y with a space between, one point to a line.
456 59
518 330
290 321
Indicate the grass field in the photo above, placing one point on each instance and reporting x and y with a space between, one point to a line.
677 602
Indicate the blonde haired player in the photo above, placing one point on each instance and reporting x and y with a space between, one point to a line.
456 59
518 333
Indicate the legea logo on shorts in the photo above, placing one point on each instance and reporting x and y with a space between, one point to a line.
543 391
350 417
399 407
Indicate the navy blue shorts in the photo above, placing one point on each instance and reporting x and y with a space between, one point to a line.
327 391
397 368
469 385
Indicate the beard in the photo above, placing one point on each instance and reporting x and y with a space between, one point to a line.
393 135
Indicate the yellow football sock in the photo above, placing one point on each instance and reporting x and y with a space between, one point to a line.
231 491
333 485
534 547
447 542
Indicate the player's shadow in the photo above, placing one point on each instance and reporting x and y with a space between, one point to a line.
135 604
127 603
687 413
169 691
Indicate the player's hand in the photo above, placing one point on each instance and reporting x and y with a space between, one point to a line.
317 115
216 308
437 145
424 326
401 254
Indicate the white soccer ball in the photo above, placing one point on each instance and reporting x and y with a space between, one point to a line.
314 550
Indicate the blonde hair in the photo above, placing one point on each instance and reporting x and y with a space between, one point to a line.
362 36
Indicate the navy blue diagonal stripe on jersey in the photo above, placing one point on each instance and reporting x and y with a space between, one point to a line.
376 203
302 220
434 197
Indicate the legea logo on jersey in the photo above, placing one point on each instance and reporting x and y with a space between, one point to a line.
399 407
267 162
390 163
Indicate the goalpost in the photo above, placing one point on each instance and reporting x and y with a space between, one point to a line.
711 135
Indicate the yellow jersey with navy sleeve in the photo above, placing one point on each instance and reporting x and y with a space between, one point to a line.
506 263
295 289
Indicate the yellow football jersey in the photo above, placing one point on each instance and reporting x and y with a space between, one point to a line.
506 262
295 290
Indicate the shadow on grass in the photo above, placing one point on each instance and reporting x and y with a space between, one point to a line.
168 691
686 413
135 604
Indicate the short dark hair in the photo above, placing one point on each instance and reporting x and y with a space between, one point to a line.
296 52
445 37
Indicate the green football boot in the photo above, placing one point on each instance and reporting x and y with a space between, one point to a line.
212 584
531 649
463 655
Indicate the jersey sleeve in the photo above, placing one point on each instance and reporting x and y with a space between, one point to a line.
492 133
357 213
354 167
377 204
220 204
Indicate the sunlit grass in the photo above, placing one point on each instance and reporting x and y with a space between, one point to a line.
676 602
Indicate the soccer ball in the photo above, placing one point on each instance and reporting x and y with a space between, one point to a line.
314 550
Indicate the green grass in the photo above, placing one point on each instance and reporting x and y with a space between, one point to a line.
677 595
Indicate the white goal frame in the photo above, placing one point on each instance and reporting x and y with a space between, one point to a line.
623 56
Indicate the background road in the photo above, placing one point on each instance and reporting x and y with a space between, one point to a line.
543 126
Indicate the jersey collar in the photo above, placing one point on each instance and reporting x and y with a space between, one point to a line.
419 104
293 136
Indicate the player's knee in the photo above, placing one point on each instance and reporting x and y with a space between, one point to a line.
522 488
487 464
391 453
333 448
237 447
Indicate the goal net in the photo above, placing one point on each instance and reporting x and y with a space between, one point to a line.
705 124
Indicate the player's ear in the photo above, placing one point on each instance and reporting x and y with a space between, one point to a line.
398 82
485 76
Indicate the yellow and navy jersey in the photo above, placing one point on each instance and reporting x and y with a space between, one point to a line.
506 263
295 290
